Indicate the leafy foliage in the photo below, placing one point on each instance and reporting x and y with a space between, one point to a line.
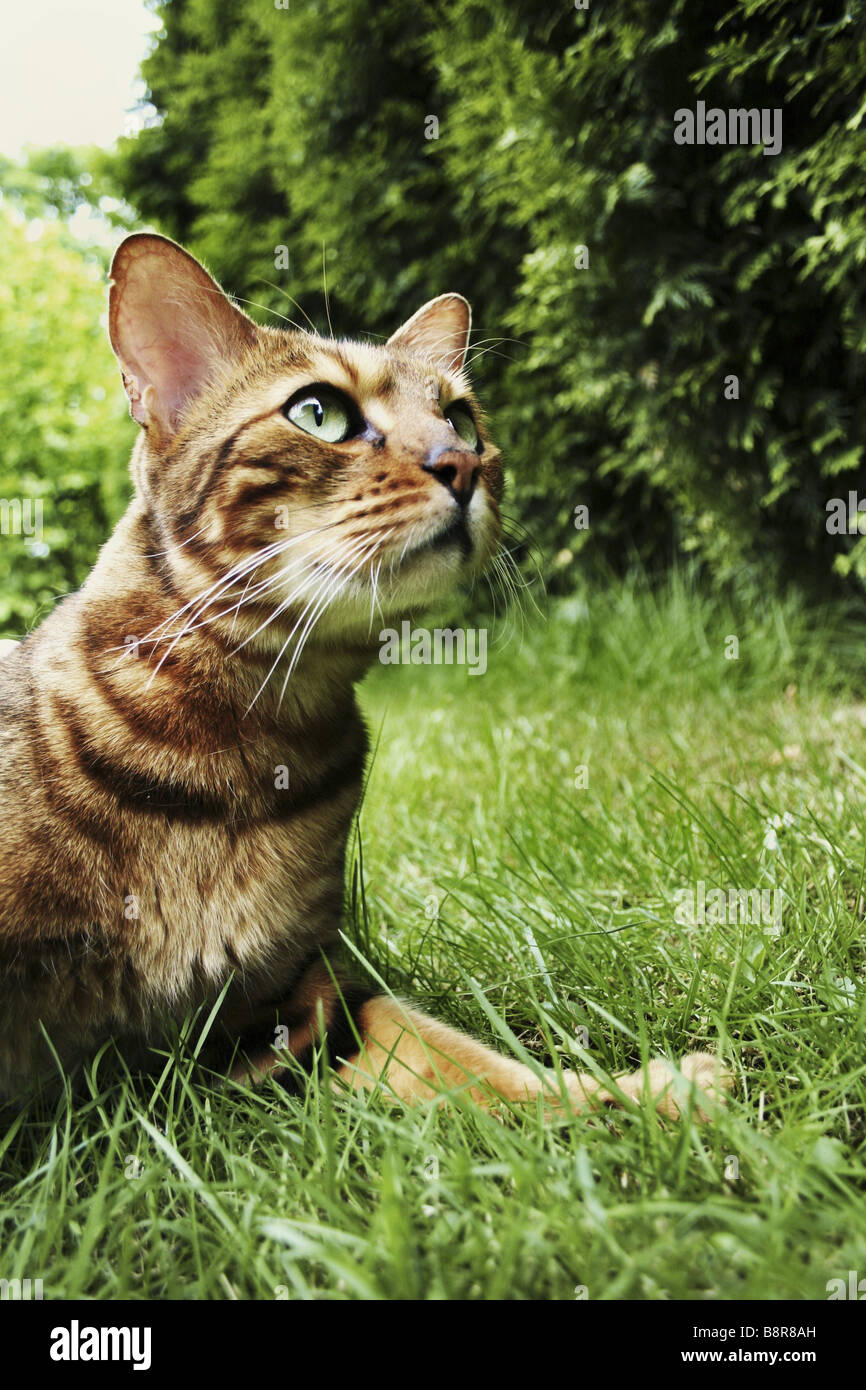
307 128
63 422
62 181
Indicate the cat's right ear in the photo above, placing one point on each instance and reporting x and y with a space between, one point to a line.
439 331
171 327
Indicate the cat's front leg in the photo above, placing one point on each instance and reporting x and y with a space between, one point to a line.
417 1058
375 1040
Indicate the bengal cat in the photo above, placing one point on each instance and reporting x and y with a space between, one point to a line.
182 751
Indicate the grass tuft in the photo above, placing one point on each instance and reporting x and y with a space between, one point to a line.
525 842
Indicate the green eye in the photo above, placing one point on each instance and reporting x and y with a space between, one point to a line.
323 413
460 417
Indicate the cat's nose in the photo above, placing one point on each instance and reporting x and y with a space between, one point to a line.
456 469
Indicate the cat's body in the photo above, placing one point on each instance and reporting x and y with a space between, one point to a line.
144 837
182 753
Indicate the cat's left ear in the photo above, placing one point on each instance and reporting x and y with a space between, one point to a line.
171 326
439 331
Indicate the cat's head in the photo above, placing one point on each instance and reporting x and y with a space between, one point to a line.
361 474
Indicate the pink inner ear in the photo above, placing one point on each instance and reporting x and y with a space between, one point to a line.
156 355
172 327
438 331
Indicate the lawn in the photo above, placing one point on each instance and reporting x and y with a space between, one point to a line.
525 840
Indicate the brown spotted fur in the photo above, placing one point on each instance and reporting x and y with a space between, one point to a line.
147 856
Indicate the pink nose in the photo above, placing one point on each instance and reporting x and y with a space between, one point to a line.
456 469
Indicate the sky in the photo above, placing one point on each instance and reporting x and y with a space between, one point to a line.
69 70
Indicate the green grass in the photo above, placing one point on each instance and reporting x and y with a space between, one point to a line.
527 909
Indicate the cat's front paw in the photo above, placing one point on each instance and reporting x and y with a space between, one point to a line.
709 1077
697 1086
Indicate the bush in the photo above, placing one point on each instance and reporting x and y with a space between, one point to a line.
307 128
65 430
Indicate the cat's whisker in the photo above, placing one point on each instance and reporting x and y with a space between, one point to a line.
281 291
497 580
374 597
339 579
470 361
494 590
152 639
236 571
512 529
233 575
412 529
264 585
523 583
515 589
238 606
325 288
188 627
511 523
483 346
507 571
176 545
285 645
432 349
314 610
191 625
310 562
340 583
254 304
249 596
320 562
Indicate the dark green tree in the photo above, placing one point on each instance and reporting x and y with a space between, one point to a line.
65 429
459 145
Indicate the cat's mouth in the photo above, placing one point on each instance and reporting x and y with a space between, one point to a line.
455 532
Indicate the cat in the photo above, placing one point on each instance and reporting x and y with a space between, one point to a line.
182 751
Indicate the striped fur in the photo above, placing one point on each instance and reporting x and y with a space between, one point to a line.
182 752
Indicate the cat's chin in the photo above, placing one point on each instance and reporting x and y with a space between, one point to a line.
457 552
431 573
409 582
425 578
